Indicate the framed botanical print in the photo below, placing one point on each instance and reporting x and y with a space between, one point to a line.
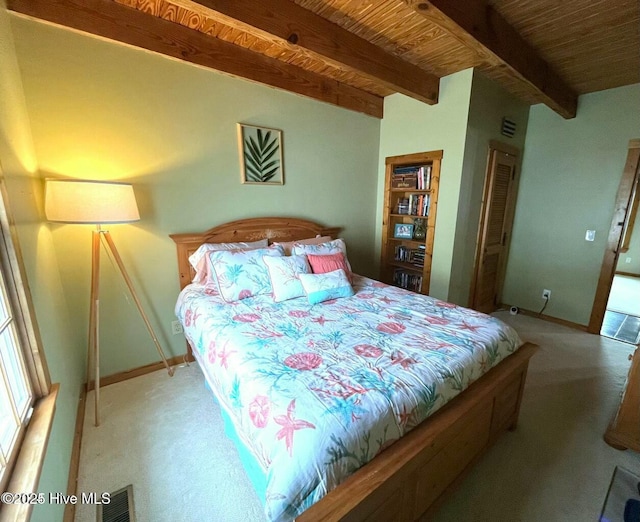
260 151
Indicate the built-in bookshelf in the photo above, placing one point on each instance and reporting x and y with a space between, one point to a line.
409 219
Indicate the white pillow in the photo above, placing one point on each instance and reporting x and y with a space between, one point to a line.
198 259
330 247
242 273
288 245
322 287
284 273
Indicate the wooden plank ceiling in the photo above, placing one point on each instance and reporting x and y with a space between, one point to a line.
353 53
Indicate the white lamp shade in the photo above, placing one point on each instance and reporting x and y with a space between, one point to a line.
95 202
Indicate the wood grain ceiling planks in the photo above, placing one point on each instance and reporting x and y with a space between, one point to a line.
284 22
594 44
480 27
561 48
392 25
200 19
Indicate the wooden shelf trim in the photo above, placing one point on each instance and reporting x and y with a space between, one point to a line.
412 216
419 191
407 266
412 241
414 159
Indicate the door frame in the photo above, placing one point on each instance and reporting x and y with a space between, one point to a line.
513 151
619 222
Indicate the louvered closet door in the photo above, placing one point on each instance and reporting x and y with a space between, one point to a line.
496 229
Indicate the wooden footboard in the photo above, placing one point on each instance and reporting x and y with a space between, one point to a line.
410 479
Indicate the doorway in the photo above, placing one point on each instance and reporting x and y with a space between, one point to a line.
622 316
616 302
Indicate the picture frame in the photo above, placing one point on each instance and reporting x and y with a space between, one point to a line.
260 150
403 231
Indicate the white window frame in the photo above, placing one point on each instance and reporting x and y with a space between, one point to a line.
22 327
16 392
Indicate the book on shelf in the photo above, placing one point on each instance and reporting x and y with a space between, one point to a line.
426 177
418 205
425 205
409 169
405 180
412 177
407 281
412 256
403 206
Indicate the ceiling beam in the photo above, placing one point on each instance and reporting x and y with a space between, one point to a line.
304 30
111 20
479 26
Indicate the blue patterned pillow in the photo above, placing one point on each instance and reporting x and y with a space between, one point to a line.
242 273
323 287
200 264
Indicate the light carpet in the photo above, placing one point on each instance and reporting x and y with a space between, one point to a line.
165 436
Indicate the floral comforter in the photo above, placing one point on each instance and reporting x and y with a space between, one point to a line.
317 391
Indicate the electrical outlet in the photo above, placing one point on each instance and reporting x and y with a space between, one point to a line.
546 294
176 328
627 260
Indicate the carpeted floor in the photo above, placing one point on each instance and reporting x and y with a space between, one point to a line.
165 436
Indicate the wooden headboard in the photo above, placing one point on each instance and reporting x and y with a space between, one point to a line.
272 228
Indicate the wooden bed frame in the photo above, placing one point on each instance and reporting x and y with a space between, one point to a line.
411 478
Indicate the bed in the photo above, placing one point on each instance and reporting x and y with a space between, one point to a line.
366 407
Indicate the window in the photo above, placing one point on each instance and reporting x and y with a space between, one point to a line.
24 377
16 393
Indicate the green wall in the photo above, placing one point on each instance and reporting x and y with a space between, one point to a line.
101 110
411 126
488 105
59 337
468 115
570 175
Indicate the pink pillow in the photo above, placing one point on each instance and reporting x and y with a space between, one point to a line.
323 263
288 245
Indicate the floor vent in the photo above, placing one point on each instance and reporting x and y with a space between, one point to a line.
120 509
621 327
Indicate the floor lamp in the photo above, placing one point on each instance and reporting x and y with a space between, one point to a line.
97 203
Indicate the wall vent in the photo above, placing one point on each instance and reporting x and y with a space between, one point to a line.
120 509
508 127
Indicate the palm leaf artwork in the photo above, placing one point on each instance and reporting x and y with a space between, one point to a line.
261 156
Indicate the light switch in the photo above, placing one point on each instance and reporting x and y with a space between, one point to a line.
590 236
